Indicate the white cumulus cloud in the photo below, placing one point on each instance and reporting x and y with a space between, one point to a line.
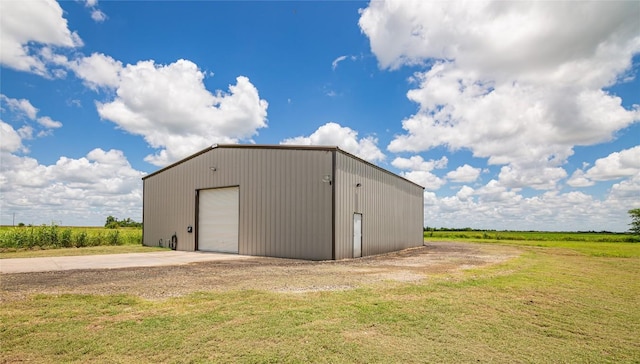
428 180
21 105
11 140
625 163
496 207
49 123
71 191
416 162
617 165
578 179
98 15
465 193
465 173
97 70
171 108
495 192
334 134
27 26
21 111
540 178
517 83
418 170
626 193
502 39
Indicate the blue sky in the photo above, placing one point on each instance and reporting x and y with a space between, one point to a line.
512 115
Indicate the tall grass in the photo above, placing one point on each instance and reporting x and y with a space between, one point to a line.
53 236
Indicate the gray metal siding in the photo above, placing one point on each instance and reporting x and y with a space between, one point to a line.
285 208
391 207
167 209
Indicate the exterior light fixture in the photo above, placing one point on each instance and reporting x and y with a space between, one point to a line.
358 184
213 169
326 178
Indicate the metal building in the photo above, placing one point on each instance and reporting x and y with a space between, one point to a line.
304 202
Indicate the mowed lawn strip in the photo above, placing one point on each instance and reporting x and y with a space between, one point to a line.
91 250
551 304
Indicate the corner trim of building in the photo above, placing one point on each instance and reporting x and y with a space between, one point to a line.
143 212
333 205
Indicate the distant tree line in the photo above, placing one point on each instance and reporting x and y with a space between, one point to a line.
634 229
114 223
428 228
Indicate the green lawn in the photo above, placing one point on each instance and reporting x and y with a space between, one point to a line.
554 304
596 244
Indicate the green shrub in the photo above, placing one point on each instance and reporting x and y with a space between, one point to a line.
9 239
113 237
81 239
32 236
112 225
95 239
52 236
632 239
131 237
47 235
65 238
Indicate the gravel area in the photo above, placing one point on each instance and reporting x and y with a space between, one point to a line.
272 274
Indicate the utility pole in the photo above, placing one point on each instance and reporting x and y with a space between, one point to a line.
14 219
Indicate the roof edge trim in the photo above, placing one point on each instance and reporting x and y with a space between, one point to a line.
246 146
180 161
376 167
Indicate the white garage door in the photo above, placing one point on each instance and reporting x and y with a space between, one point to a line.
218 217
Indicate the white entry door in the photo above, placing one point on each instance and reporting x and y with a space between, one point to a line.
357 235
218 219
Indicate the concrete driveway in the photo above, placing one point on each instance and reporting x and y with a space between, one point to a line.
112 261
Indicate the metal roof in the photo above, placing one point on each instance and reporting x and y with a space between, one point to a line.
277 146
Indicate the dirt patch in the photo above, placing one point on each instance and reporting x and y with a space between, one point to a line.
273 274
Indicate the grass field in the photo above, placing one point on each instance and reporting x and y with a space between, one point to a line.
554 303
596 244
554 237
